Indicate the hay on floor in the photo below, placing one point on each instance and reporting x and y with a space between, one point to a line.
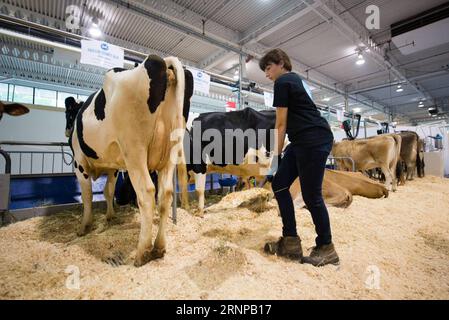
393 248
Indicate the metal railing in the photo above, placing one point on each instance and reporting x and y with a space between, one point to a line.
5 187
335 164
40 156
5 179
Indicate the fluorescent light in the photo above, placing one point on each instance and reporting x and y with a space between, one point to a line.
360 59
236 77
95 31
356 110
399 89
327 99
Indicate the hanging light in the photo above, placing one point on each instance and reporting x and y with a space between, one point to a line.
399 88
360 59
236 75
94 30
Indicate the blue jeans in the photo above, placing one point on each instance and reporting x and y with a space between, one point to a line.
308 164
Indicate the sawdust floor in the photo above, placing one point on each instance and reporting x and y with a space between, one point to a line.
394 248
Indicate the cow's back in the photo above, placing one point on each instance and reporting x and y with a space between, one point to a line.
367 153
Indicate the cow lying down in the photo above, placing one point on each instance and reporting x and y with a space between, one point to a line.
340 186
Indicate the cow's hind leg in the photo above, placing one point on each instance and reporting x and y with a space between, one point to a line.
86 195
411 167
108 192
390 180
165 199
145 190
200 186
183 184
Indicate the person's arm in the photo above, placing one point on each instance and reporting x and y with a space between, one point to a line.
281 128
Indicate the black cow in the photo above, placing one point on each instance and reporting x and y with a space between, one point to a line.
260 122
71 110
234 149
126 193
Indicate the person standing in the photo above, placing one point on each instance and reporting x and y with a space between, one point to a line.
311 142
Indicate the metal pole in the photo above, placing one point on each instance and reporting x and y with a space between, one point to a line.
5 187
175 197
240 81
352 125
364 126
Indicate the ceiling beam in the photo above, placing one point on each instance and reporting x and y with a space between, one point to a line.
215 59
354 31
387 85
226 39
289 13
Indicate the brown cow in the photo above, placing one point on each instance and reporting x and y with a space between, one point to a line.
420 160
340 186
333 194
381 151
410 154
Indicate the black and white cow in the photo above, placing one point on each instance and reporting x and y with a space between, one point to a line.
240 155
249 163
126 193
13 109
133 122
71 110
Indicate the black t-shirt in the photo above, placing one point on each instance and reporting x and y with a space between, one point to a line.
305 125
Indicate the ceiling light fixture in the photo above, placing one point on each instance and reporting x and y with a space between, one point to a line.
236 75
360 59
399 88
94 30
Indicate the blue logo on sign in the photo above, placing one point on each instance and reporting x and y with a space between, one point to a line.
200 75
104 46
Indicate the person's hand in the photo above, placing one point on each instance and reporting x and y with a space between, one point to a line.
275 163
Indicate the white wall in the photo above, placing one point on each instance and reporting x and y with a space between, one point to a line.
39 125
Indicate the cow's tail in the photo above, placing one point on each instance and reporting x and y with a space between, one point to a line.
174 64
178 70
399 169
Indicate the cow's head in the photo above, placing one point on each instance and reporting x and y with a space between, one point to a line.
13 109
71 110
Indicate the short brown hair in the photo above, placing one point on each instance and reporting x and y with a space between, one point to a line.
275 56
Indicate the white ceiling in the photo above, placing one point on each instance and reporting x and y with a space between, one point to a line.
315 42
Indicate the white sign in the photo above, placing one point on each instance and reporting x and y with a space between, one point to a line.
201 80
101 54
268 98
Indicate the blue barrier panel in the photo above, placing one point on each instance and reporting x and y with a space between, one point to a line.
43 191
32 192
